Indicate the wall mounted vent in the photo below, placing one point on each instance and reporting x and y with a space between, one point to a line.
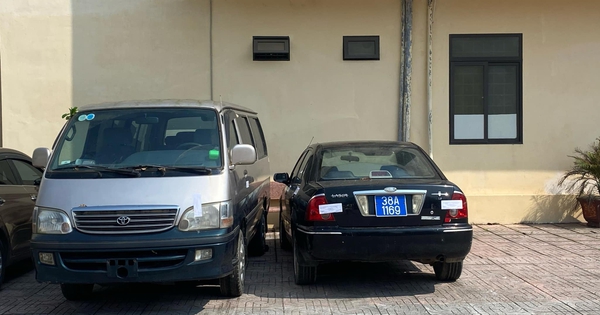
271 48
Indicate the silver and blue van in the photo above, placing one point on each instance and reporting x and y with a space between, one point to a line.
151 191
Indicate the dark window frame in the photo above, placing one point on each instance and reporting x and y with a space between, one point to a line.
271 55
241 121
258 137
10 171
346 40
296 170
17 174
486 62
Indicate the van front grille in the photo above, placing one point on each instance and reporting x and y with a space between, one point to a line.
146 260
124 221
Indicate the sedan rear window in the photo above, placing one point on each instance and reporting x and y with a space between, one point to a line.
360 162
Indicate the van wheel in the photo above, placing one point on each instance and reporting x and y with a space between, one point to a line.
283 240
77 292
258 244
3 262
233 284
303 274
447 271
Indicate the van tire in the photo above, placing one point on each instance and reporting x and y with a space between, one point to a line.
77 292
445 271
258 244
233 284
3 262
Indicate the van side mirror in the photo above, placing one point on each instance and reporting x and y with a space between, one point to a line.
243 154
283 178
40 157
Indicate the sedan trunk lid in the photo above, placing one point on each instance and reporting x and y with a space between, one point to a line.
387 203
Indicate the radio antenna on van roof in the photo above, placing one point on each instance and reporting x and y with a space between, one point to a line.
221 99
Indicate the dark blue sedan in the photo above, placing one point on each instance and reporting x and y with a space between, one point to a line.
372 201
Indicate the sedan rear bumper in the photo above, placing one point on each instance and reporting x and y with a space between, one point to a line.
423 244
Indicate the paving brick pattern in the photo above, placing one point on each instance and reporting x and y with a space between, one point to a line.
512 269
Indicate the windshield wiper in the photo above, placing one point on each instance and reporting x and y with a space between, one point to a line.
163 169
99 169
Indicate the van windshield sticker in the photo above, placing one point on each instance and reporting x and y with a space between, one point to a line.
81 118
213 154
90 116
197 206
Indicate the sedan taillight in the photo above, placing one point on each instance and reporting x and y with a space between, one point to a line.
453 214
312 212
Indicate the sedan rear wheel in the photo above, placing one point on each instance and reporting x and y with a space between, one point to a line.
303 274
3 261
445 271
77 292
233 284
283 240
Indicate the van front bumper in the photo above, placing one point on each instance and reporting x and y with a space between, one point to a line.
164 257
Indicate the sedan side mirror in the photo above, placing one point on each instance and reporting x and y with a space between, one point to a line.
40 157
243 154
283 178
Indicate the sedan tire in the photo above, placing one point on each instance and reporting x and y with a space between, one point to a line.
77 292
447 271
233 284
3 262
303 274
283 240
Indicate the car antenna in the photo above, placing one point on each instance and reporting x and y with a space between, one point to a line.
311 140
221 99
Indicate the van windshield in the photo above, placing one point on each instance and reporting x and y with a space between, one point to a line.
165 138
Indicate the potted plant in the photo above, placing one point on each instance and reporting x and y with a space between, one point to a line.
583 178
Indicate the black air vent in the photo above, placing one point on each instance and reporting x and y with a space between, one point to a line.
271 48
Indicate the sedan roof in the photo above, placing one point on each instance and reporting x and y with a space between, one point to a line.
338 144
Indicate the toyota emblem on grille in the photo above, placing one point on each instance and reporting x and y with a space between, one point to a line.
123 220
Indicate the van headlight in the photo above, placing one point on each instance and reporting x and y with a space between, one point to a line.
213 216
51 221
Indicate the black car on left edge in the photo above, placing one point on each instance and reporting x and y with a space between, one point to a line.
18 192
372 201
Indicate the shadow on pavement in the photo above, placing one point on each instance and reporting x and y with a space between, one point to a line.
17 270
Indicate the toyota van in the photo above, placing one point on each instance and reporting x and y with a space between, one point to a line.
151 191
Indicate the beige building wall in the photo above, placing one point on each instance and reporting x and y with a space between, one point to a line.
561 44
315 94
60 53
35 52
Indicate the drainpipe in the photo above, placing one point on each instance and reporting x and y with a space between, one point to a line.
430 9
210 38
405 72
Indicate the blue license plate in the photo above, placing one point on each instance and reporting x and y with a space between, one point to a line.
390 206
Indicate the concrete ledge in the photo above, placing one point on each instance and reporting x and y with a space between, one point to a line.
273 215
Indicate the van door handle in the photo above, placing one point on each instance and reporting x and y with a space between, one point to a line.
2 201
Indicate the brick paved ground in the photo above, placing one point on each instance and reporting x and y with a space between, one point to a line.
512 269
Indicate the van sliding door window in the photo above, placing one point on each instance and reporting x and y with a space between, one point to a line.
244 129
259 138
